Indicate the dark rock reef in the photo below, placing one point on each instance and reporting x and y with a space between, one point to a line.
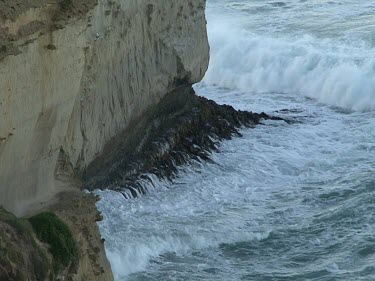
181 128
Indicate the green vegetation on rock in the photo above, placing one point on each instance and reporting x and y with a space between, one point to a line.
51 230
21 258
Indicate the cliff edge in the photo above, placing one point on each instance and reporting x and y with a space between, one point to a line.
73 77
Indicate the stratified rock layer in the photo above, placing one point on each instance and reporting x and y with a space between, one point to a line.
181 128
69 85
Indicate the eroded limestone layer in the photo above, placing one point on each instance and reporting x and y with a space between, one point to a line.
69 86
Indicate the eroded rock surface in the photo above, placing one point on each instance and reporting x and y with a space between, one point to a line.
25 258
21 256
74 75
181 128
78 211
70 83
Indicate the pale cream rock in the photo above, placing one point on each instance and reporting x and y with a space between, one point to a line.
78 87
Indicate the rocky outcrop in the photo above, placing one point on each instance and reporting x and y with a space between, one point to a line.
181 128
72 78
79 213
62 242
21 256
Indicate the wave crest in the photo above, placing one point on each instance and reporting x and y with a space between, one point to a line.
332 73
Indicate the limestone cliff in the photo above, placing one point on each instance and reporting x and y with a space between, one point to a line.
73 77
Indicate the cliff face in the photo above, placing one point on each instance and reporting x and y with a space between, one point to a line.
70 84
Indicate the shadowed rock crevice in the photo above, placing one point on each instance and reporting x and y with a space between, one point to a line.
181 128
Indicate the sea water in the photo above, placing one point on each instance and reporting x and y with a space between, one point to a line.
284 201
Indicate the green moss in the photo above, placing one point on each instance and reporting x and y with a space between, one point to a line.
20 256
50 229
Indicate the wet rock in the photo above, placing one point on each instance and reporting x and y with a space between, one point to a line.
181 128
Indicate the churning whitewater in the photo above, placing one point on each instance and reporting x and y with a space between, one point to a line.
284 201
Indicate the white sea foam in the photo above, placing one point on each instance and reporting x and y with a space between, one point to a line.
131 251
333 73
277 178
289 201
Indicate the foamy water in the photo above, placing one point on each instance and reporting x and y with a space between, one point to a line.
320 58
285 201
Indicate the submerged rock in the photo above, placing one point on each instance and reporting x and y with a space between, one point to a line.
182 127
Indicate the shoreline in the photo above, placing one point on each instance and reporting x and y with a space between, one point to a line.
182 127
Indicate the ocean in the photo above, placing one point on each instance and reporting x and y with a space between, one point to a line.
286 201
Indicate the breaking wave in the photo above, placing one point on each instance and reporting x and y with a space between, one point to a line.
334 74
